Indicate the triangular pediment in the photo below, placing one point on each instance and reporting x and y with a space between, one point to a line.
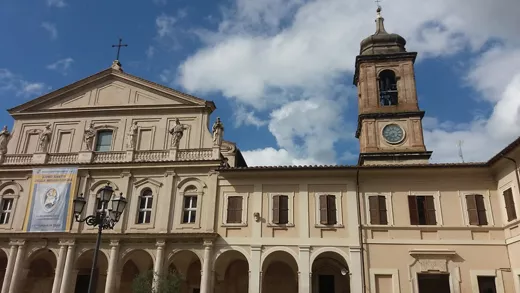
110 88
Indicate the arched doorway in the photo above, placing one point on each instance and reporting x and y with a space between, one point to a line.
83 266
137 262
187 264
330 274
3 266
279 273
231 273
41 272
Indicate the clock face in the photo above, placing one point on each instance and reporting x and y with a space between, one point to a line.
393 133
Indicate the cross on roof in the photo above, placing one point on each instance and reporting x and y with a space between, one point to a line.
119 47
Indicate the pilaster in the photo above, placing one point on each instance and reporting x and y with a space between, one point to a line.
17 271
304 282
10 267
112 266
165 206
356 282
255 269
67 270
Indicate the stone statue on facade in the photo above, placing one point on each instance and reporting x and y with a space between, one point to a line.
218 132
44 139
177 132
88 137
131 136
5 136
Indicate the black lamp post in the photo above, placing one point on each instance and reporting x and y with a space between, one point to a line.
101 218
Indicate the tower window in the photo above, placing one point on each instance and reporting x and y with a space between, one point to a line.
388 88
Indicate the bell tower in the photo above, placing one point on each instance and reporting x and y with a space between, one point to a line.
389 121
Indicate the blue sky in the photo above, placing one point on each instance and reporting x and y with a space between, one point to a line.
280 71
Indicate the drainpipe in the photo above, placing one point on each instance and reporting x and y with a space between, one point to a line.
360 235
516 171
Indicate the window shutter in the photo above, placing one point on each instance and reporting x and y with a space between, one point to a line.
374 210
472 209
481 209
383 218
284 209
323 210
331 210
430 211
510 205
276 209
230 210
412 206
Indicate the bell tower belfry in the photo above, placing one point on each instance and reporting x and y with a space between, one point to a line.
389 121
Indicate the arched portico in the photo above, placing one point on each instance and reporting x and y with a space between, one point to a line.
40 272
83 267
330 273
135 263
279 273
188 265
231 272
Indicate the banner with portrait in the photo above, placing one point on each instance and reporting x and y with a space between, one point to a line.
50 205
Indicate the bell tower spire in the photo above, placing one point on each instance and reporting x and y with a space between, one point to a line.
389 119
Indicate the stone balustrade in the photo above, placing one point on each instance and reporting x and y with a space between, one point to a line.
87 157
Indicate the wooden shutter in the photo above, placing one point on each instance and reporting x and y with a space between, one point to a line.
276 209
284 209
323 210
383 219
373 203
481 210
234 209
412 207
472 209
331 210
430 210
510 205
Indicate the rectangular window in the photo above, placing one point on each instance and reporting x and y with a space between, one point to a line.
190 209
486 284
280 209
510 205
328 209
30 145
422 210
234 210
145 207
377 206
433 283
476 209
104 141
145 140
7 207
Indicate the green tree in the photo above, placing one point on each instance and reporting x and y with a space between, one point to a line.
166 283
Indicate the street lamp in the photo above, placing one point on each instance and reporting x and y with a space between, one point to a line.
101 218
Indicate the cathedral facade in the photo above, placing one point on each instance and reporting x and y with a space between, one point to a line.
393 223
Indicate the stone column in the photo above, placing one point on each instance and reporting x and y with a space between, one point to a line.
206 268
67 271
255 269
58 272
356 282
17 272
304 283
159 260
112 266
10 266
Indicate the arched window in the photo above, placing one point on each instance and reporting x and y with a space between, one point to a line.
388 95
189 213
104 140
6 206
145 207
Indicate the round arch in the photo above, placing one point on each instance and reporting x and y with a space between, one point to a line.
315 254
40 271
199 184
278 249
94 187
238 249
176 252
128 253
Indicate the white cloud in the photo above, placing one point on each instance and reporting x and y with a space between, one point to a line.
56 3
272 157
150 52
62 65
272 54
12 83
243 116
51 28
165 24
